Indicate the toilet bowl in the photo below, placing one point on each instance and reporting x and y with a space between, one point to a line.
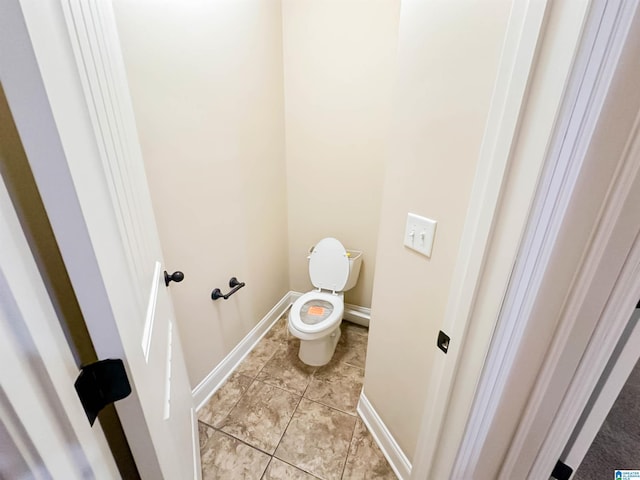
315 317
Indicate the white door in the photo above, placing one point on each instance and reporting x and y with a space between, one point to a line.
62 72
44 432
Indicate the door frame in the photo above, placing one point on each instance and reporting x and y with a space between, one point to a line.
608 285
534 450
62 141
43 422
598 48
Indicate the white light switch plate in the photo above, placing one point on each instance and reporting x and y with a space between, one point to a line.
419 234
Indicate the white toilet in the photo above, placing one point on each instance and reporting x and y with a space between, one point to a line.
316 316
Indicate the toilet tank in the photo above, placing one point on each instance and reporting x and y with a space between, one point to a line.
355 261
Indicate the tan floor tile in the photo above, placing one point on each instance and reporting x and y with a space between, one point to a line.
280 330
204 434
226 458
351 348
354 328
221 403
261 416
257 358
366 461
278 470
285 370
317 440
337 385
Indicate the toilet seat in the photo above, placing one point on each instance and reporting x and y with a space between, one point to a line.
305 331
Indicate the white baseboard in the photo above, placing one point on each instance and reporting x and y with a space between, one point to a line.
357 314
208 386
390 448
352 313
195 438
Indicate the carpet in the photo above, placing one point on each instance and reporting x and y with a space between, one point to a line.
617 444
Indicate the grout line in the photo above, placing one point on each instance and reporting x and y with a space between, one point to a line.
206 425
242 441
287 427
354 366
266 468
268 385
280 388
311 377
271 456
258 344
241 375
332 408
265 363
353 434
299 468
237 401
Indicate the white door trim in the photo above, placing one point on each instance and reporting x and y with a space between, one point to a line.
524 29
39 410
555 189
605 35
619 219
602 41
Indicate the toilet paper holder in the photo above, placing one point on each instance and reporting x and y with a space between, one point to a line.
234 284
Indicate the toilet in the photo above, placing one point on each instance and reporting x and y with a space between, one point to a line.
315 317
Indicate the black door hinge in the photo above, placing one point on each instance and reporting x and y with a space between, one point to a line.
101 383
561 471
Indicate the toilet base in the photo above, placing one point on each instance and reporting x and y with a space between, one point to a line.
317 353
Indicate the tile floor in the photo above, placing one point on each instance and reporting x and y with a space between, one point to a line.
277 418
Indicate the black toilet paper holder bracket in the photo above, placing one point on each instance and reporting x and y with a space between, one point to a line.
234 284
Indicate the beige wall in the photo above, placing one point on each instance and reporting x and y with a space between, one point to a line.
207 88
339 69
448 55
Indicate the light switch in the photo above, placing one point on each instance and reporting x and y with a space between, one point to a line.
419 234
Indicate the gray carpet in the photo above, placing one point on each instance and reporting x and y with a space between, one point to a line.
617 444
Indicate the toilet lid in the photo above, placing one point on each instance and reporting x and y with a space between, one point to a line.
329 265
